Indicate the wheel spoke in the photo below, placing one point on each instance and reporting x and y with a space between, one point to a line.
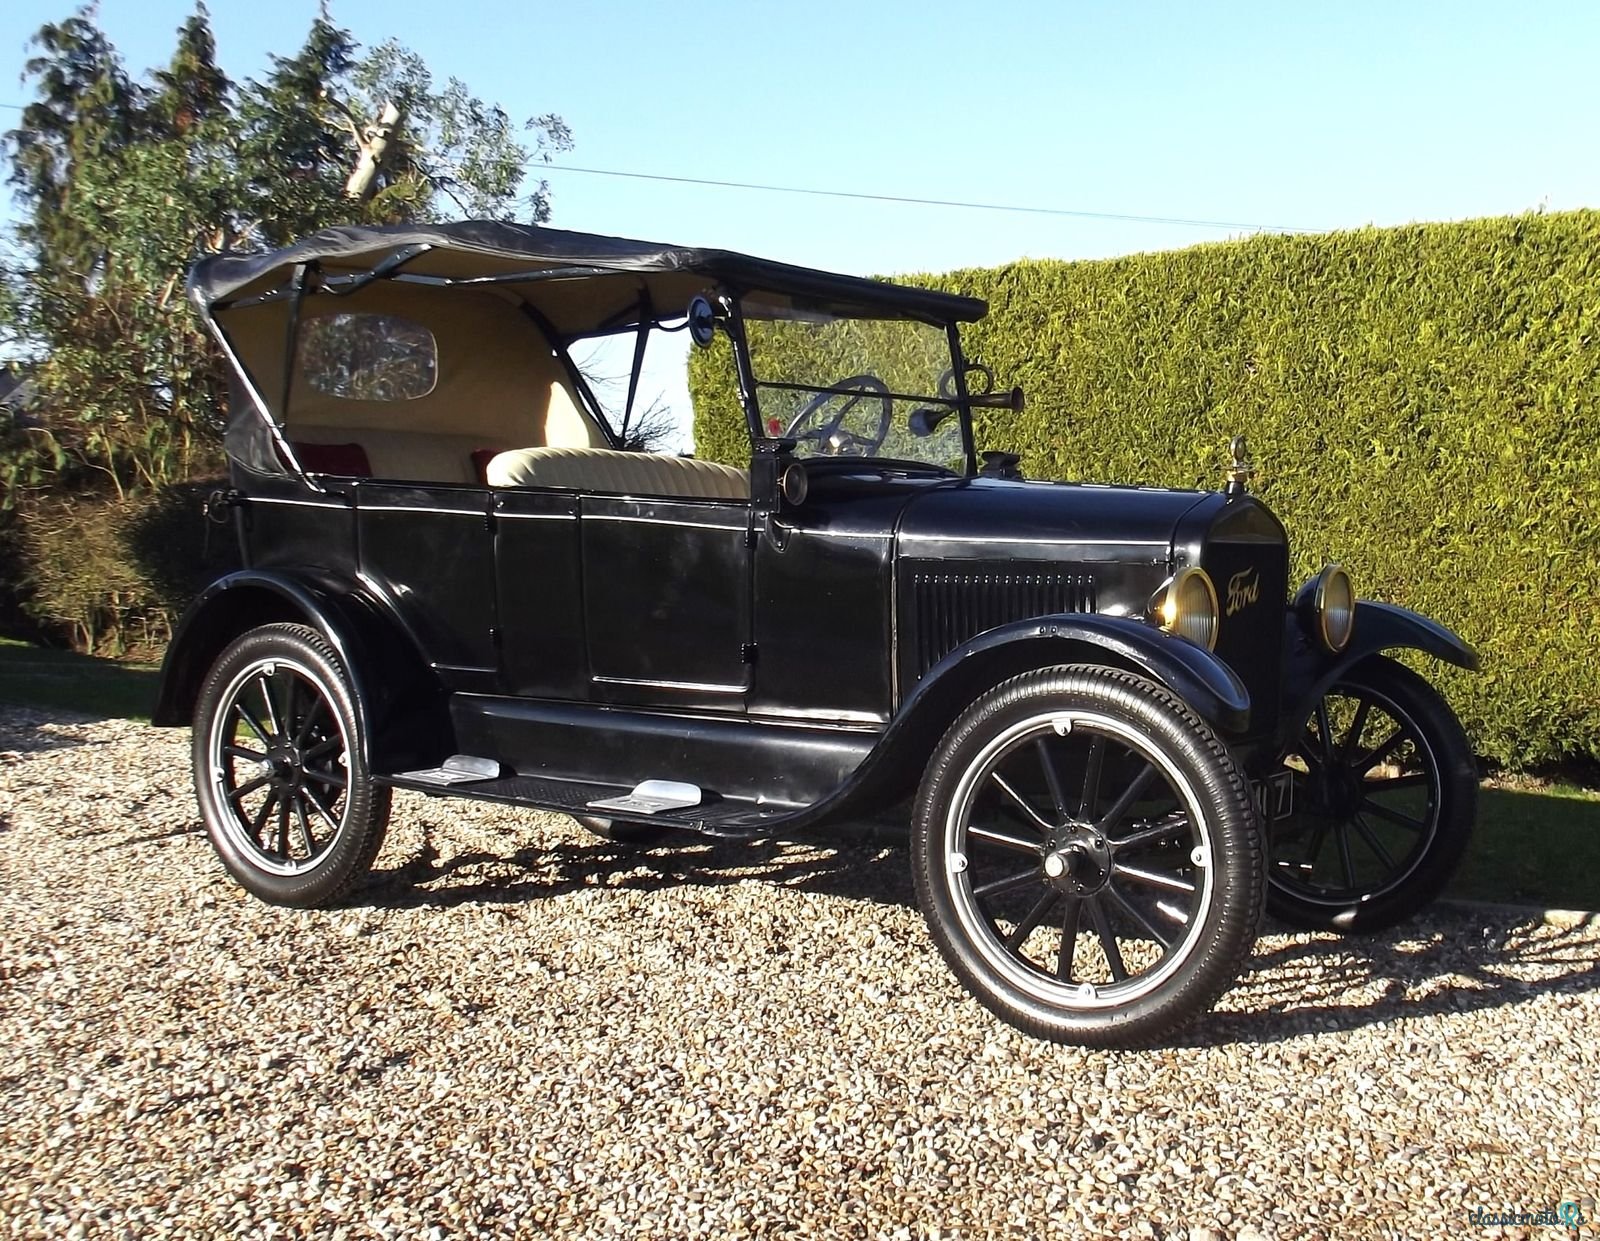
248 787
321 748
259 823
1069 939
1393 816
305 825
1092 766
1152 878
1341 837
316 708
1022 803
1010 884
1127 799
1153 834
1324 730
1136 914
316 804
335 778
1052 780
1036 915
252 722
1379 752
1353 737
283 825
1108 941
1318 835
272 707
238 751
1372 842
1416 780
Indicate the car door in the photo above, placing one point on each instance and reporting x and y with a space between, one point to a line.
666 600
427 550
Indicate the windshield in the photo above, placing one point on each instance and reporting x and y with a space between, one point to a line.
855 387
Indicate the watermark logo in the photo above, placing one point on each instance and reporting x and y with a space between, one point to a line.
1568 1215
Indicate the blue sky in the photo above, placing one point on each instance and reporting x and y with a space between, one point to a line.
1312 116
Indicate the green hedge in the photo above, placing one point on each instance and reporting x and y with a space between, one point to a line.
1424 404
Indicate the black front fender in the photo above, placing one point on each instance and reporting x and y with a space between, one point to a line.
1378 627
1197 676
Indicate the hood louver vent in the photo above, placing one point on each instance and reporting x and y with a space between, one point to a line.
949 606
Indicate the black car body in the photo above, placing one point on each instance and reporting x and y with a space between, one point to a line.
451 551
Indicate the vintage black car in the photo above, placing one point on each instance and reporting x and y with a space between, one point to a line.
1112 731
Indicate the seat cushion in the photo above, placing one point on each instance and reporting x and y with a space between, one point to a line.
630 473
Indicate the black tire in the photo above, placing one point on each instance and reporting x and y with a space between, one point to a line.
279 769
1386 792
1019 856
634 835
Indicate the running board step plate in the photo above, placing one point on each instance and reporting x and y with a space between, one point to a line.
730 817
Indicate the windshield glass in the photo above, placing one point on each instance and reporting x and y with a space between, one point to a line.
855 387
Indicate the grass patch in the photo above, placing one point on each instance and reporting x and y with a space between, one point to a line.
35 676
1535 844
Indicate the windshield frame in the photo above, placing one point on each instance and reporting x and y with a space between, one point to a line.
749 385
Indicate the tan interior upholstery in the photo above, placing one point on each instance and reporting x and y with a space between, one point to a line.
498 383
631 473
415 456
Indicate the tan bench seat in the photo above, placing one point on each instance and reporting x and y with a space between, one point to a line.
413 456
606 469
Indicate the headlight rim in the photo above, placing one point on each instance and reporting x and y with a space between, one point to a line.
1171 590
1319 602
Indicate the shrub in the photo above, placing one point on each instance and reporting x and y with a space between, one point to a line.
1424 404
112 576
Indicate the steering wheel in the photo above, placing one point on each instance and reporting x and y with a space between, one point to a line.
830 435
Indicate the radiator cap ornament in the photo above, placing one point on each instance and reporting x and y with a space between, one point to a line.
1242 470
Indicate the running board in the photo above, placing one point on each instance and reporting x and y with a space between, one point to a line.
729 818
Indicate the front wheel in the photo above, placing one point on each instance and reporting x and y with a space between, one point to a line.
1386 790
1087 857
280 772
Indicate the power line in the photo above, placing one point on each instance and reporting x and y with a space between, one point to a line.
1074 213
1124 217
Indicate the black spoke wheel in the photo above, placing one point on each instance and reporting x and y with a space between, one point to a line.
279 769
1385 794
1087 857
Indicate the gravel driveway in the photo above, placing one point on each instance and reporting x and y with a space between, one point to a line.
518 1030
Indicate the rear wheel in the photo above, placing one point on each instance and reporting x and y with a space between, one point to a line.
279 771
1087 857
1386 791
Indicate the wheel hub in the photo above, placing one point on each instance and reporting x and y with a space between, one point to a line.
283 764
1077 860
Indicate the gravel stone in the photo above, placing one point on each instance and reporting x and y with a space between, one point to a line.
519 1030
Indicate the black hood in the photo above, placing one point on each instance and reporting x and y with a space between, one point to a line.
1001 520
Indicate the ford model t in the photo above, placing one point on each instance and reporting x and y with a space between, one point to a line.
1113 731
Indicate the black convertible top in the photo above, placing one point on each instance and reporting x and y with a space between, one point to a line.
488 246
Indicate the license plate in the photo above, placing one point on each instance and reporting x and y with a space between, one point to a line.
1275 795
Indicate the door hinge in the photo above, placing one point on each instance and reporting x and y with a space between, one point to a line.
747 652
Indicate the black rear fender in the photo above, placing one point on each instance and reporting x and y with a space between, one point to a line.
398 698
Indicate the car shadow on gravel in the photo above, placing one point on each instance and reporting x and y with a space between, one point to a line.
1447 961
866 872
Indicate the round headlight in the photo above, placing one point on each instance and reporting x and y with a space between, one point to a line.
1336 607
1188 607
